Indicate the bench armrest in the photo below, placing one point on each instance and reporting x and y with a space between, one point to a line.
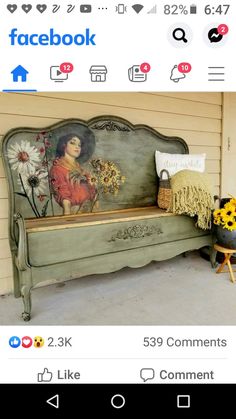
21 258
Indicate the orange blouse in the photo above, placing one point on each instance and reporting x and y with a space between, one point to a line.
70 182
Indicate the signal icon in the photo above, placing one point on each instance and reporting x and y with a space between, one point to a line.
137 7
153 10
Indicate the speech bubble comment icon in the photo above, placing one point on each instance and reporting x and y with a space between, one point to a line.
147 374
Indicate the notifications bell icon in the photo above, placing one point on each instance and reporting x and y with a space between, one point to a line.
176 75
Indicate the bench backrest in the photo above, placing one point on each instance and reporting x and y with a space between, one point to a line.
116 161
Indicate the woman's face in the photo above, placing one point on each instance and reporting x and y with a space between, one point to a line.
73 147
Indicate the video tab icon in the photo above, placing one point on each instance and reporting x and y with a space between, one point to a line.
56 74
85 8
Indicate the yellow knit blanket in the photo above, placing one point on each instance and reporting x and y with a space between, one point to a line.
192 195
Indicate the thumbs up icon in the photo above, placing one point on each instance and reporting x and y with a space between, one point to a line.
14 342
45 376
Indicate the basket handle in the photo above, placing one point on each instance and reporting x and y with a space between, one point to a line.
164 171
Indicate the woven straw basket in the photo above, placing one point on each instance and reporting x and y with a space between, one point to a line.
165 192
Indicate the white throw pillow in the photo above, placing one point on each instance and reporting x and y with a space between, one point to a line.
176 162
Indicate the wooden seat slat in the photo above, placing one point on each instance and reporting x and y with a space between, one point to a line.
80 220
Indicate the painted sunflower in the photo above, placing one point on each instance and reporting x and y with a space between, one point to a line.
106 179
93 180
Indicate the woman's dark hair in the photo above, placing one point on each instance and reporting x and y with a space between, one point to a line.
87 141
61 145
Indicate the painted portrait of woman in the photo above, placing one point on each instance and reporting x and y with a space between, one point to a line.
69 181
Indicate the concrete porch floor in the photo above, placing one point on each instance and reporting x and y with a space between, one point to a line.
180 291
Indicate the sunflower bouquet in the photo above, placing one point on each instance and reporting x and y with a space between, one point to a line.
106 176
226 216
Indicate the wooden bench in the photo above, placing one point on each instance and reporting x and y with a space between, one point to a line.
105 218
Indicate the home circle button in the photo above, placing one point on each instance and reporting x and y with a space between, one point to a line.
118 401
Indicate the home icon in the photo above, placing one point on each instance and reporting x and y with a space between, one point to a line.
19 73
98 73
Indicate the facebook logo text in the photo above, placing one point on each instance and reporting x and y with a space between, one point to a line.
52 38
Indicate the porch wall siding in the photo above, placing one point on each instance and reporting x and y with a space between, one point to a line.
196 117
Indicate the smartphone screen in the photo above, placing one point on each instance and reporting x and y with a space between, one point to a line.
118 207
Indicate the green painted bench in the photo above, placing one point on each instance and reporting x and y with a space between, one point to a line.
83 201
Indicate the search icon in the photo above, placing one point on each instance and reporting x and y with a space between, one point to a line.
179 35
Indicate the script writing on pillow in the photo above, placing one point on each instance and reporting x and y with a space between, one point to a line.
176 162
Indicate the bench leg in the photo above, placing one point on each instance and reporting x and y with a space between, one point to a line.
26 295
16 279
25 279
213 254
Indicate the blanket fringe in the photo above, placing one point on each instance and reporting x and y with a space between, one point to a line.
193 201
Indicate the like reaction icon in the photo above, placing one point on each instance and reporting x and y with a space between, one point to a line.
14 342
45 376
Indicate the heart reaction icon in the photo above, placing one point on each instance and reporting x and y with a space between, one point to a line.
27 342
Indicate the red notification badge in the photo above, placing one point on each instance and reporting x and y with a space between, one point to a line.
145 67
184 68
223 29
66 67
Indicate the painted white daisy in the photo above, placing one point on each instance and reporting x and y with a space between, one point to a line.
36 181
23 157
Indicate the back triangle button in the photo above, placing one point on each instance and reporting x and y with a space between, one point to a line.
54 401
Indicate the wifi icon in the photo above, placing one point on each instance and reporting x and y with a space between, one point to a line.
137 7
